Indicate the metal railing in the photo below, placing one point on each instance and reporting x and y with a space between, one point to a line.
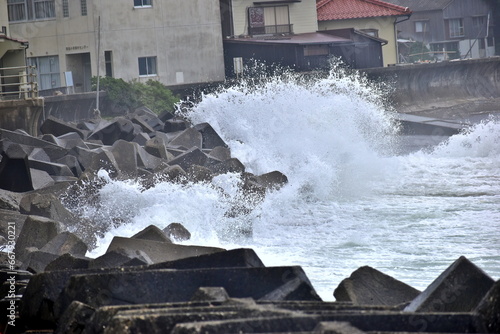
18 83
272 29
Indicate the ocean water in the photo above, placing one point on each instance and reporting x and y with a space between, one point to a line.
355 196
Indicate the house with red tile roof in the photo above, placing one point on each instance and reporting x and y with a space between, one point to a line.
372 17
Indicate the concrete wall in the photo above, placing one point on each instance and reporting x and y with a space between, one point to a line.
4 18
303 16
442 84
384 26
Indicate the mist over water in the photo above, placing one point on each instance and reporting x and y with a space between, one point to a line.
352 199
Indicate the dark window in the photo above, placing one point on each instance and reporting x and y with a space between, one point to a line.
108 60
65 8
147 66
143 3
83 6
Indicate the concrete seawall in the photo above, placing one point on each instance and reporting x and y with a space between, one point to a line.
454 88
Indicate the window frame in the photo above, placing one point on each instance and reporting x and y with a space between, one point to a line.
456 31
151 68
31 10
143 3
424 26
83 7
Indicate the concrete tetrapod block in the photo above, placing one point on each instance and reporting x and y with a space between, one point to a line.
74 319
368 286
387 321
163 285
211 138
57 127
459 288
212 293
65 242
68 261
164 319
336 327
9 200
160 251
120 258
489 309
152 233
37 261
125 154
110 132
177 231
241 257
188 138
15 172
70 140
193 156
36 232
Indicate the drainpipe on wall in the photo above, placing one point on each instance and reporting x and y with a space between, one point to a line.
406 18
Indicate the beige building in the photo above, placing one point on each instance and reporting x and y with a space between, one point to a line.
176 42
374 17
269 17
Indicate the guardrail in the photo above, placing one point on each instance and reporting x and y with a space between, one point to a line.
18 82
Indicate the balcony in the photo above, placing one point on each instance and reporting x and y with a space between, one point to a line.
277 29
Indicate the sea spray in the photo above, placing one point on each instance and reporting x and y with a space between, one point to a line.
350 201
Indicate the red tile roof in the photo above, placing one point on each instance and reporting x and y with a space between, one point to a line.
355 9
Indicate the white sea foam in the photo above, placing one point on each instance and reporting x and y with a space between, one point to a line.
350 201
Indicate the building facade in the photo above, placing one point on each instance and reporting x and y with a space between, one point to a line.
175 42
450 29
373 17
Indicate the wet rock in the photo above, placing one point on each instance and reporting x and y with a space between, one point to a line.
460 288
152 233
198 173
177 231
272 180
368 286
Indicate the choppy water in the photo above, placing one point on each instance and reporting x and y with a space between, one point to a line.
353 198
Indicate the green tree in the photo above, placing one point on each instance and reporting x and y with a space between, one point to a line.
127 96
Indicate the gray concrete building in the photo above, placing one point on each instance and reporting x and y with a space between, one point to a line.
176 42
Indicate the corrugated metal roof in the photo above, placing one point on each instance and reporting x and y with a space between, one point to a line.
354 9
422 5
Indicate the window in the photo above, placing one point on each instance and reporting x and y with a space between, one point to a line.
83 7
65 8
147 66
143 3
269 20
456 27
108 61
28 10
421 26
48 71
